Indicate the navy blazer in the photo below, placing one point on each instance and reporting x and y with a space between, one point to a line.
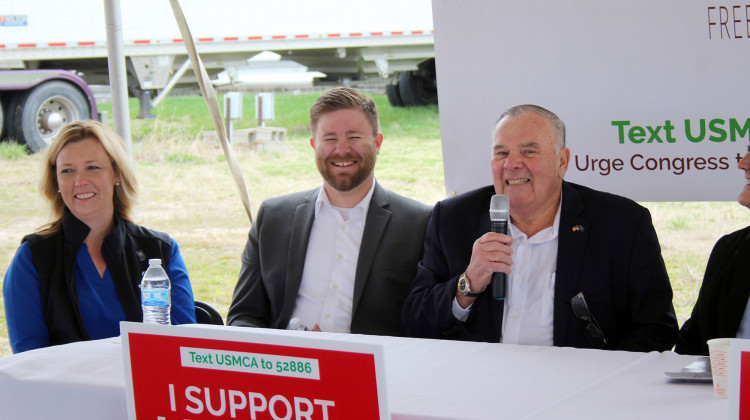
723 296
274 259
607 249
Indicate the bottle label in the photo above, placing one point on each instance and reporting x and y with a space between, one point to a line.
155 297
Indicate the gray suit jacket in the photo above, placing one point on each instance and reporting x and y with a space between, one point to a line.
274 259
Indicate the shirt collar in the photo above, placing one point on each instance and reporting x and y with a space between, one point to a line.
362 206
544 235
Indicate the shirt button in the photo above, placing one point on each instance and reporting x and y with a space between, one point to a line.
343 227
514 316
335 287
339 256
328 316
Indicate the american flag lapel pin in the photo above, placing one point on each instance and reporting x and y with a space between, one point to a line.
578 228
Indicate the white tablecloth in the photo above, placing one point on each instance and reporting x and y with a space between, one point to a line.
426 379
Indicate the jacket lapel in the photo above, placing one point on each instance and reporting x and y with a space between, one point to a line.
571 246
304 216
377 219
120 267
74 233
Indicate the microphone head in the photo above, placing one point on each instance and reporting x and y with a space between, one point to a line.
499 208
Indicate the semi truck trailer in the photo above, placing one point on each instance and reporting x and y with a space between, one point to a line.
350 42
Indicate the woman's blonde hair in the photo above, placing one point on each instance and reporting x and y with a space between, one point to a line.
124 195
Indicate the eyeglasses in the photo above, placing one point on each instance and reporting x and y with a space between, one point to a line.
594 333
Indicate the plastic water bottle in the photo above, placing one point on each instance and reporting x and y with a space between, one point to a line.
155 298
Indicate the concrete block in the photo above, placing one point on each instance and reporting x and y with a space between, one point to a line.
267 138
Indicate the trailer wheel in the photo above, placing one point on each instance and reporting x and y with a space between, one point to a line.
5 99
36 116
415 90
2 126
14 107
391 91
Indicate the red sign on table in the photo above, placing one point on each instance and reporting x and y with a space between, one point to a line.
744 392
241 373
739 379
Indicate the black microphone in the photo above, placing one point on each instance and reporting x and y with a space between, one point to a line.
499 216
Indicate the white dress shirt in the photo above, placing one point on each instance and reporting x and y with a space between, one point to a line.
327 287
529 301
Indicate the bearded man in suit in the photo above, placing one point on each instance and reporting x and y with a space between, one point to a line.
341 257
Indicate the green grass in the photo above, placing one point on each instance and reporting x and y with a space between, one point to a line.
186 117
184 158
187 191
680 222
12 151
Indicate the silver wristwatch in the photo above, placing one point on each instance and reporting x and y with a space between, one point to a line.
464 287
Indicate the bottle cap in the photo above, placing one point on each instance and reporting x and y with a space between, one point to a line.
154 261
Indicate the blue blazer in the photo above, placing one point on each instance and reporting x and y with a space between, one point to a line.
607 249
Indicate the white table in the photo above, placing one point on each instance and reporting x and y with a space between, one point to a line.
426 379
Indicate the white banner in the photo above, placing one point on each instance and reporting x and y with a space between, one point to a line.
654 93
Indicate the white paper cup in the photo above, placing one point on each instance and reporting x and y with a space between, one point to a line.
718 350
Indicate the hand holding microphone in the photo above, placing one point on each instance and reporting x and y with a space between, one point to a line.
499 217
490 257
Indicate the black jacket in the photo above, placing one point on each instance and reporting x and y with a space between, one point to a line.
126 250
607 248
723 295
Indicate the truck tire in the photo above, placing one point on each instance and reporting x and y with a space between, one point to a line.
2 126
5 99
391 91
415 90
35 116
14 106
